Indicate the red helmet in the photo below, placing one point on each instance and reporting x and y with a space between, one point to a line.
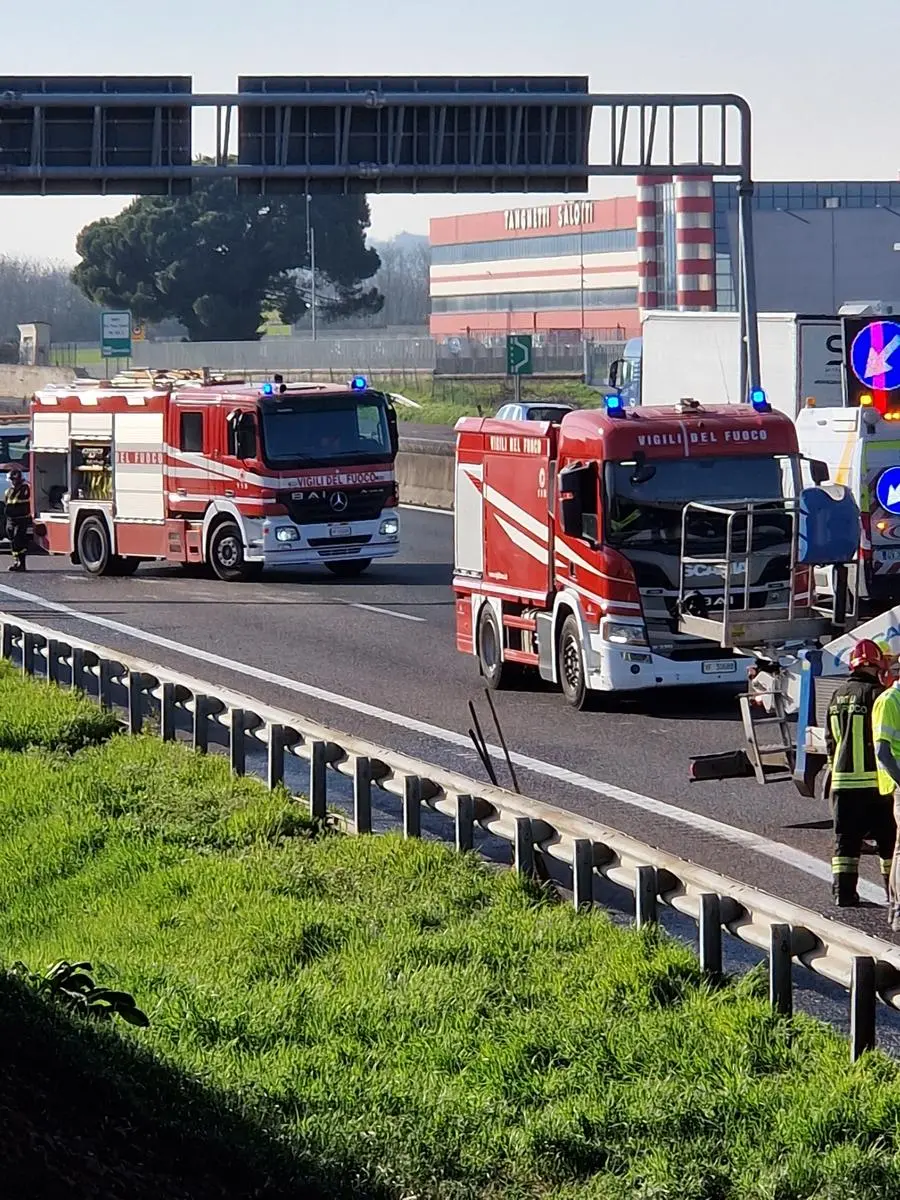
866 654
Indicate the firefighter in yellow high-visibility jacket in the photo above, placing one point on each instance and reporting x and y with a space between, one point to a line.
17 512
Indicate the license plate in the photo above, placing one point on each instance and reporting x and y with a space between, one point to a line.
887 555
339 530
726 666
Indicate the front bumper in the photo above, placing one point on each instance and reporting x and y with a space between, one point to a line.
615 667
332 542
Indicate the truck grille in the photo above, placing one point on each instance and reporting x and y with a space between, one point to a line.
358 540
316 506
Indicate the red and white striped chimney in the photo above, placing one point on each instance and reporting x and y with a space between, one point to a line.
695 246
649 282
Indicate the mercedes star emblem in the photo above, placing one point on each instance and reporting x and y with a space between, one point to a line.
338 502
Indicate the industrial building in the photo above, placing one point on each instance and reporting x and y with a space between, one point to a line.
591 266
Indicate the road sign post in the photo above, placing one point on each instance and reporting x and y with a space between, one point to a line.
115 334
519 359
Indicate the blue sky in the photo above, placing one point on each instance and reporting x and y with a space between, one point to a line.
821 76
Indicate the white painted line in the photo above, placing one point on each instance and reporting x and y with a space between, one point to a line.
440 512
799 860
387 612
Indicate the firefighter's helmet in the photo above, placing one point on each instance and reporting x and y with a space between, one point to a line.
866 653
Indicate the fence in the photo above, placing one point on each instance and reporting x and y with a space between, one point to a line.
486 355
541 835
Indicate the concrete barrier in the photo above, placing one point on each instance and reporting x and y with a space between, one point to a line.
425 473
19 383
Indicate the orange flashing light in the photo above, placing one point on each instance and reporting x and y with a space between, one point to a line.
865 401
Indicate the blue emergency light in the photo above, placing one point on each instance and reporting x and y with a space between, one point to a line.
614 405
268 389
759 401
358 383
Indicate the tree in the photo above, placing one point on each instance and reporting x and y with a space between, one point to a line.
40 291
217 262
403 279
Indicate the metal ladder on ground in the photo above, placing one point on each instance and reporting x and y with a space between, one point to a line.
772 762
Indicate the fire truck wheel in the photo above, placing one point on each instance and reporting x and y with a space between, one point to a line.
93 548
226 554
350 568
495 671
571 665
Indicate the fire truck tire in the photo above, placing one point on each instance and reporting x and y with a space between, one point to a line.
350 568
495 672
93 548
571 665
226 554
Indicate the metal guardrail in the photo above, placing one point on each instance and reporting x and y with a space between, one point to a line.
540 834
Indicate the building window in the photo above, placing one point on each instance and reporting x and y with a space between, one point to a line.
593 298
596 241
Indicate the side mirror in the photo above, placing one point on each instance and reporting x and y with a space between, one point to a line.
393 432
819 471
615 371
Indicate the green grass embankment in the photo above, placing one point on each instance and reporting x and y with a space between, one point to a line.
366 1017
444 401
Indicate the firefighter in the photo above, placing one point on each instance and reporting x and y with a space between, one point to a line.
18 516
860 810
886 732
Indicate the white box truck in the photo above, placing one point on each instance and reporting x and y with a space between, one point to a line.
698 355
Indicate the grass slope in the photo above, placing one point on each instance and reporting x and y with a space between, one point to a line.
383 1019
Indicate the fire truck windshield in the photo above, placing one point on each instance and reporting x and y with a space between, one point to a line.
643 505
318 430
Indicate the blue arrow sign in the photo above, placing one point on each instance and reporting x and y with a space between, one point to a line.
875 356
887 490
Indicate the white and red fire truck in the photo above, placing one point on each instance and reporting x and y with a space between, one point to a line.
236 476
582 545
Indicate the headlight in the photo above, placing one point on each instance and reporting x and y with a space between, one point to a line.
389 526
287 533
625 635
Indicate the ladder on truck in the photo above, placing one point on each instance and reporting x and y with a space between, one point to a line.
731 619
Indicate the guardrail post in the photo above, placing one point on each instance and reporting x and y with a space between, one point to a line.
583 873
645 906
9 640
412 806
237 746
167 709
709 933
523 850
465 823
27 653
781 992
275 757
318 793
135 702
54 655
201 724
362 794
104 693
78 668
862 1006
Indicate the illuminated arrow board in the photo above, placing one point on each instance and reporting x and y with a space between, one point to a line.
875 356
520 354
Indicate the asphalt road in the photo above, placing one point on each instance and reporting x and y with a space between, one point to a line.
376 657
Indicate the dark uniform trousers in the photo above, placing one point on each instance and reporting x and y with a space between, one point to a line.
18 507
859 810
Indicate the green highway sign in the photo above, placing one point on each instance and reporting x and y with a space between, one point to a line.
519 354
115 334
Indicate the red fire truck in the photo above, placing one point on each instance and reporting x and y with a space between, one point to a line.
591 550
237 476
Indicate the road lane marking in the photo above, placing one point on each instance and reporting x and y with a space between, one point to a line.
440 512
799 860
387 612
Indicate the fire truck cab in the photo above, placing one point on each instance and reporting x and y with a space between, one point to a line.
236 476
581 546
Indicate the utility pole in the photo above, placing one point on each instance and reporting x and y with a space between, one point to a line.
311 251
